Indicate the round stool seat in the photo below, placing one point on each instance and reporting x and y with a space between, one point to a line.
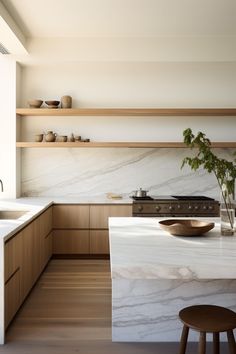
208 318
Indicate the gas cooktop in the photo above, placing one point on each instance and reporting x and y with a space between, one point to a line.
175 205
173 197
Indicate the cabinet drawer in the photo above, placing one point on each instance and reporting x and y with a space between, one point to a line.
12 297
12 254
99 242
70 242
71 216
99 214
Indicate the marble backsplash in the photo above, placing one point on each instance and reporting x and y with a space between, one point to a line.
95 171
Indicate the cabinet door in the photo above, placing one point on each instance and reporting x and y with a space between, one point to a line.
45 237
28 256
99 242
71 242
71 216
12 297
35 244
47 249
12 254
99 214
45 222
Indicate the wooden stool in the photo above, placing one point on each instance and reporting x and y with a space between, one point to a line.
208 318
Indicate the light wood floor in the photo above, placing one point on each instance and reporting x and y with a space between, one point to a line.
69 311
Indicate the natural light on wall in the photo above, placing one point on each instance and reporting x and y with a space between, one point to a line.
8 126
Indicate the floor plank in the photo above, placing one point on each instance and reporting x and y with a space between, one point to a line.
69 311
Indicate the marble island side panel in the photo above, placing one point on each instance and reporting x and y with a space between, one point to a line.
155 275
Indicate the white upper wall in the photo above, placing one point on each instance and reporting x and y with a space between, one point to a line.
125 30
8 127
96 18
126 53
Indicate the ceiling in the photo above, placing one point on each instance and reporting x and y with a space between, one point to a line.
107 18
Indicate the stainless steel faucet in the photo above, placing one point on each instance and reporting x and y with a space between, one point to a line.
1 185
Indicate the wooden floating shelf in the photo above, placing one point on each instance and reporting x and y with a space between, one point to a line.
134 112
117 144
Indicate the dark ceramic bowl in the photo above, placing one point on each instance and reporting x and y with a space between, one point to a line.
52 103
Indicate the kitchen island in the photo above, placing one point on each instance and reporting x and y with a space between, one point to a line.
154 275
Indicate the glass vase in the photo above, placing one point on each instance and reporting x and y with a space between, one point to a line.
227 211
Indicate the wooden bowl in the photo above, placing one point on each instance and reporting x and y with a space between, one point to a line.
35 103
191 227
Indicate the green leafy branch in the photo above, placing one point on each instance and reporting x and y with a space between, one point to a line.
224 171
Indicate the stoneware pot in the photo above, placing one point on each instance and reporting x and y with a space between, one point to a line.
38 138
50 136
62 138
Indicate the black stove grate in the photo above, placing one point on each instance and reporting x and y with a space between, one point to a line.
142 198
191 197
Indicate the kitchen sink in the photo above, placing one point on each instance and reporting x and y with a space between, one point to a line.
11 214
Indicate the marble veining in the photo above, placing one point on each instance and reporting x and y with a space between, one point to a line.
93 172
140 249
147 310
155 275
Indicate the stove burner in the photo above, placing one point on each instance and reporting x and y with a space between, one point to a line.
142 198
191 197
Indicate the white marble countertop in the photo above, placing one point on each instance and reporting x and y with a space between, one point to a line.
35 206
90 200
140 249
32 206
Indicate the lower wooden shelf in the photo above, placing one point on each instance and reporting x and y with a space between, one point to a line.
21 144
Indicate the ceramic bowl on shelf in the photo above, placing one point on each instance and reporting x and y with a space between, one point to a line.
182 227
52 104
35 103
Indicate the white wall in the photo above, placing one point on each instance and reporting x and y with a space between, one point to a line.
8 126
147 81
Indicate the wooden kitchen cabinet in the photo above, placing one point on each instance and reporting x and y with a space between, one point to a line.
99 235
12 297
45 222
99 242
28 262
71 216
12 254
71 242
26 254
12 261
70 234
47 249
99 214
83 229
45 237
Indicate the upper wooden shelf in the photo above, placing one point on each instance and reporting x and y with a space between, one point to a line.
117 144
152 112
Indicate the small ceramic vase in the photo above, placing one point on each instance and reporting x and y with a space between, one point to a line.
66 102
72 138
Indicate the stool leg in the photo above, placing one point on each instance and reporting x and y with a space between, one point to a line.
231 340
202 343
183 341
216 345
